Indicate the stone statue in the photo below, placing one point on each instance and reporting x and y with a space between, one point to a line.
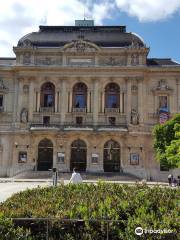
24 115
134 117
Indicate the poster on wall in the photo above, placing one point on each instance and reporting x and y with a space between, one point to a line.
163 117
163 109
60 157
95 158
22 157
134 159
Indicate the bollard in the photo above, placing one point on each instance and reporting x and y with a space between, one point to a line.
55 176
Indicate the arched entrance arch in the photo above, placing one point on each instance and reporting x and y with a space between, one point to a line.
45 155
78 155
111 156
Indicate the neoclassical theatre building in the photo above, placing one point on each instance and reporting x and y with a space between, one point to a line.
84 96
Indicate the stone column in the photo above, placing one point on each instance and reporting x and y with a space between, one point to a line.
88 101
20 98
95 101
31 101
103 101
141 101
128 100
70 101
56 102
63 100
38 100
64 60
120 102
15 102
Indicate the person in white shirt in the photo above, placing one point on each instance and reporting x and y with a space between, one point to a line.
76 177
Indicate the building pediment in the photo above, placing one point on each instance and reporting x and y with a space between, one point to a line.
80 46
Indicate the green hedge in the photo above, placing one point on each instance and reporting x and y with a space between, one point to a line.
132 206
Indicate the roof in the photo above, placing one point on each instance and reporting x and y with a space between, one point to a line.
161 62
103 36
7 61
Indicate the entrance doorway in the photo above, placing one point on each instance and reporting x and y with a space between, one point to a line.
45 155
78 155
111 156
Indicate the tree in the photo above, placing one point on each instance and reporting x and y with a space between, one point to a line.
167 143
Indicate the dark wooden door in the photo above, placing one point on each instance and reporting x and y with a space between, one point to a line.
45 155
78 156
111 157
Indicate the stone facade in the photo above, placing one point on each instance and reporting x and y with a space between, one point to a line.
28 115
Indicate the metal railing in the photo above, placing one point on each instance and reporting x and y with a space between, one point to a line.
46 109
56 228
112 110
80 109
67 125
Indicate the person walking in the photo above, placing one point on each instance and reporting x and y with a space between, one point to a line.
170 178
76 177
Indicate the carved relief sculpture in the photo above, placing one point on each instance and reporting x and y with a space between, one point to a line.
134 59
3 88
134 117
24 115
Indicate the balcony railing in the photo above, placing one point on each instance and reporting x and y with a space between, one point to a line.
46 109
111 110
81 110
73 126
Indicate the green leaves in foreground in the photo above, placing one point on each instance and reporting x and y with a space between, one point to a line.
130 206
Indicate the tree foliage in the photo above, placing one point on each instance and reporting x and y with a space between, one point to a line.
167 143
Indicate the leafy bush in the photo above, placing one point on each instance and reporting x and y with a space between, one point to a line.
131 207
167 143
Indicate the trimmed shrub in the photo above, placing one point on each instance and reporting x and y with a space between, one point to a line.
131 206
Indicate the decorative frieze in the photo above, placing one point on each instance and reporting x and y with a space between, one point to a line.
113 61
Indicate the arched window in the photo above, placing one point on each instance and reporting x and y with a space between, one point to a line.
80 95
47 95
112 91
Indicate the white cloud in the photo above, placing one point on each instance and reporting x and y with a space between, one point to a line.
19 17
149 10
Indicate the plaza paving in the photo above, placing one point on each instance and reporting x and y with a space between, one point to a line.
9 186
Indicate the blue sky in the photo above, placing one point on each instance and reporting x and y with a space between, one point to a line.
163 36
156 21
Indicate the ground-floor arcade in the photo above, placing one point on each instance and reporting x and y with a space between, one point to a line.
88 151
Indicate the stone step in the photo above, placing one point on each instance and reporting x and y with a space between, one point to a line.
85 176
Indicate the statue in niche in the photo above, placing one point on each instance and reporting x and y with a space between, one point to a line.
2 86
134 117
24 115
